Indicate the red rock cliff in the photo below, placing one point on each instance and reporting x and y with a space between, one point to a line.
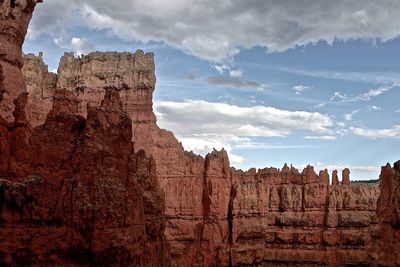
385 248
217 215
13 27
73 191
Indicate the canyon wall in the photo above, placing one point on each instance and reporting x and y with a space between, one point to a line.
73 190
76 186
217 215
385 246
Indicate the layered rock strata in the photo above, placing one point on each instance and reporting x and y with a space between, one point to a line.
73 191
385 246
287 218
217 215
40 84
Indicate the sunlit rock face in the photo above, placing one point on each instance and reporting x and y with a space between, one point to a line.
216 214
13 27
385 248
77 186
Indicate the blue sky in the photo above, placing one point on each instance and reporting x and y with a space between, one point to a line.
303 83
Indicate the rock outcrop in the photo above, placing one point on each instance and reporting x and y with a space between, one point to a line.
73 191
13 27
80 195
41 85
287 218
217 215
385 248
76 186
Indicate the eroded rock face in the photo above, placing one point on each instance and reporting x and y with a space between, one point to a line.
13 26
284 218
73 191
86 197
385 248
217 215
41 85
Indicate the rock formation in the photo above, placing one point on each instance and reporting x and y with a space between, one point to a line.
76 188
217 215
385 248
13 27
73 191
41 86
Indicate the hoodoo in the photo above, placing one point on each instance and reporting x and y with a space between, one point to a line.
87 178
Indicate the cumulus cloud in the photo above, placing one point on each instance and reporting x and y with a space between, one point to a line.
78 45
201 117
217 30
236 73
299 89
234 82
393 132
201 125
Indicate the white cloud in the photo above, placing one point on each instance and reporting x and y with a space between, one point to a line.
236 73
338 95
299 89
217 30
323 137
367 96
201 117
78 45
203 145
221 68
202 126
393 132
375 92
397 111
349 116
374 108
320 105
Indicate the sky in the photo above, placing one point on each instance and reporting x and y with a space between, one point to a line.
273 82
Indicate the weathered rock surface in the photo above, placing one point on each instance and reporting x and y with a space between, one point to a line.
73 191
13 27
284 218
41 85
217 215
385 248
85 197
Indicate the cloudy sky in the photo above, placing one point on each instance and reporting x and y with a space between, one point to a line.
303 82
